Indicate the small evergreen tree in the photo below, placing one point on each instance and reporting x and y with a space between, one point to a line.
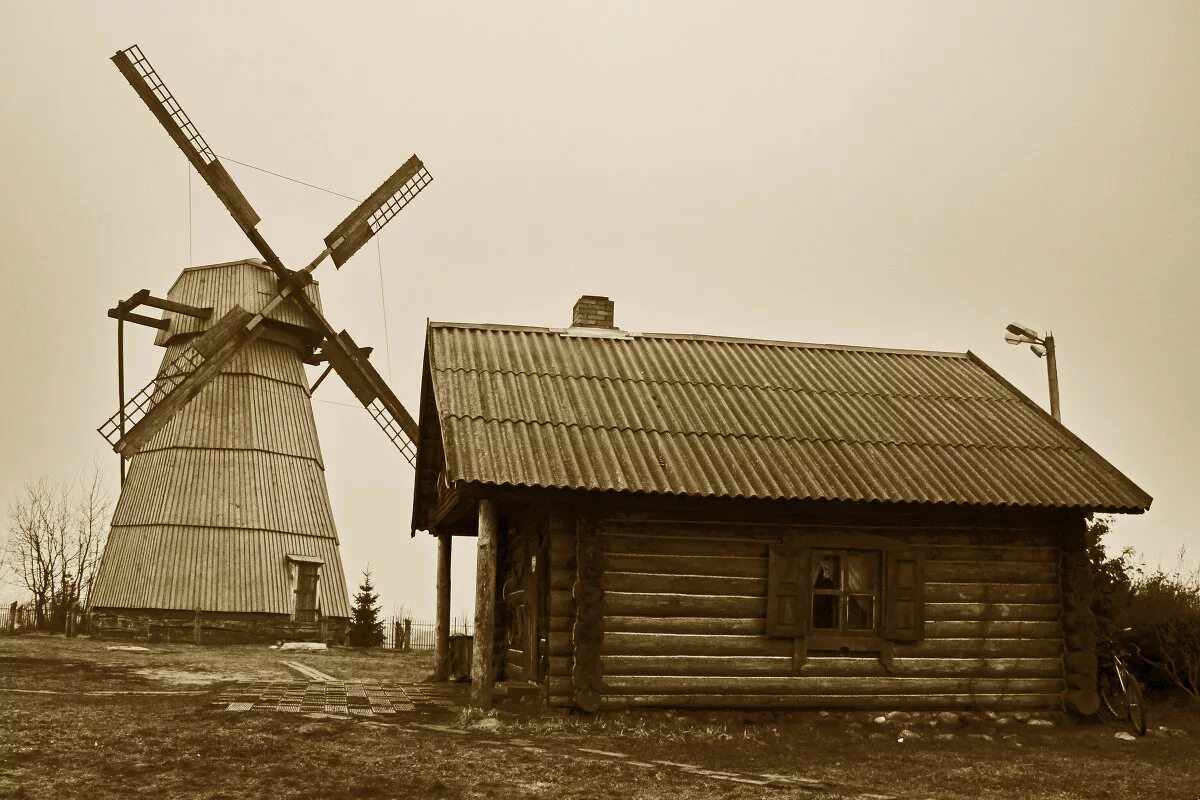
366 628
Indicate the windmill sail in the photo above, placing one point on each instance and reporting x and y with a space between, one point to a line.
377 210
134 65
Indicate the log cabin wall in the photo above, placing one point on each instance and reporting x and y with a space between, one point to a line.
684 622
561 619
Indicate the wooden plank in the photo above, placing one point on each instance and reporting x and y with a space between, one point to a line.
961 629
684 584
991 592
616 643
963 648
991 611
803 684
691 605
702 625
730 566
917 534
882 702
990 571
828 666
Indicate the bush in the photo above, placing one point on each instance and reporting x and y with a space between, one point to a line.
1164 611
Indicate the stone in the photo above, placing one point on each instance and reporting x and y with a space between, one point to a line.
898 716
880 720
487 725
1125 737
909 734
984 737
948 718
1041 723
944 737
303 646
1022 716
129 648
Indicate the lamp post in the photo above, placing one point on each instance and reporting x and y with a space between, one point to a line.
1042 347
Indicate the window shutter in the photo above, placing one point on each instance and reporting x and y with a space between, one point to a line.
787 591
904 597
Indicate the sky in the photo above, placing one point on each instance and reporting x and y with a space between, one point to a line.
910 175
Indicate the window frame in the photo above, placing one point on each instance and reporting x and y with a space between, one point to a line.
843 637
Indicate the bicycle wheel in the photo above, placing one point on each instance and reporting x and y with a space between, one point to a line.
1136 701
1112 696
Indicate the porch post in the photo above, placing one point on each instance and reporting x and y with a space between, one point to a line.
441 660
485 606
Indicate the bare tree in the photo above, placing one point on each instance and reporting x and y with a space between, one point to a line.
56 533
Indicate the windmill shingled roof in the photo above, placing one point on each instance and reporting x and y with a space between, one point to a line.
720 417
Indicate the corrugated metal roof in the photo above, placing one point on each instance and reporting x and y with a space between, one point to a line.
706 416
229 487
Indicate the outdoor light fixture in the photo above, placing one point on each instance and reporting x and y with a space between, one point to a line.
1042 347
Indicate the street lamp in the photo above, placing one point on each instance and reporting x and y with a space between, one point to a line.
1042 347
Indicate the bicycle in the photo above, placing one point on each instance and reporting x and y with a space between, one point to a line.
1120 692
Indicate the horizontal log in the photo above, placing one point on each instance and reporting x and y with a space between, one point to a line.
990 572
980 648
729 566
878 702
561 622
560 666
562 580
828 666
759 532
668 644
701 625
561 604
1032 612
684 584
989 554
797 684
560 685
691 605
560 643
991 592
961 629
653 544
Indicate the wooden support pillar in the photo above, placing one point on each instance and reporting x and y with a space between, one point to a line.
485 606
441 658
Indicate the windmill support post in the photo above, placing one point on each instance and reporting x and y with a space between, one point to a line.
121 385
441 662
485 606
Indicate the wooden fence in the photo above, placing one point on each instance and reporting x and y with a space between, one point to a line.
17 621
418 634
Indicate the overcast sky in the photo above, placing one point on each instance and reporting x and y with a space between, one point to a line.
887 174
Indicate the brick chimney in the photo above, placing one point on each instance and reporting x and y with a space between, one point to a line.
592 311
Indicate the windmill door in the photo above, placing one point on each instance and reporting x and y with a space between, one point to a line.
306 592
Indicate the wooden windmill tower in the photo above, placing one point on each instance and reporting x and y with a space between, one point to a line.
223 530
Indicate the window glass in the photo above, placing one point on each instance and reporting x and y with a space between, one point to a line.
861 572
859 612
825 611
827 571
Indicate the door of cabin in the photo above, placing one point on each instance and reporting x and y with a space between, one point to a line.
525 593
306 592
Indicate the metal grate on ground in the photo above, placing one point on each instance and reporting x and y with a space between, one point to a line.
355 698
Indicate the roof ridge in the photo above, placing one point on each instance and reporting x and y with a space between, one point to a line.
706 337
773 387
767 437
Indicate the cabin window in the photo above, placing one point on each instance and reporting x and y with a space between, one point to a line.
844 599
845 591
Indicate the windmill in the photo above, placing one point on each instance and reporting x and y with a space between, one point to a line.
223 520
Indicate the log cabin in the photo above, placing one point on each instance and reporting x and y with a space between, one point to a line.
692 521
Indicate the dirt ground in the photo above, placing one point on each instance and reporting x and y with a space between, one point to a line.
167 740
